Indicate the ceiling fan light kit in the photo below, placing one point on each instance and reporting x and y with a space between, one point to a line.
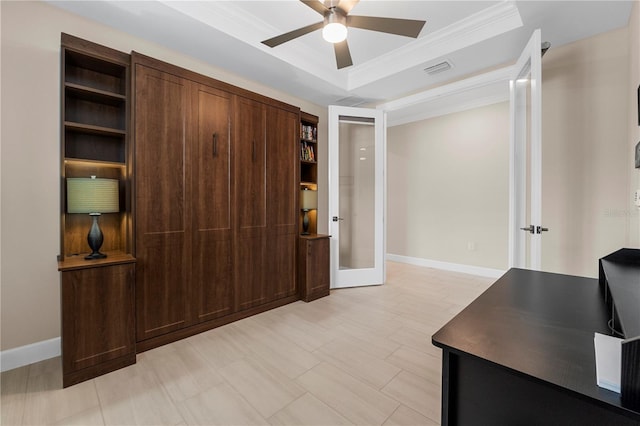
335 26
335 23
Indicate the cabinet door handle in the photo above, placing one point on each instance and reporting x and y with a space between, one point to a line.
253 150
215 144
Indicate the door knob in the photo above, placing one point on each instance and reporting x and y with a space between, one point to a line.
530 228
535 229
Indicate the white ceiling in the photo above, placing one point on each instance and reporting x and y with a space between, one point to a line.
474 36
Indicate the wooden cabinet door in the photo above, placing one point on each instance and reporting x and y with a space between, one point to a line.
97 316
318 271
282 210
163 237
250 201
212 274
250 162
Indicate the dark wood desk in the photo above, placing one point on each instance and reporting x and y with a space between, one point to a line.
522 354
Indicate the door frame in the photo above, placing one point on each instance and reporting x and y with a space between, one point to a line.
518 158
365 276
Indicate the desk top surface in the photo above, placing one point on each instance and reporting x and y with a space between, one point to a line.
539 324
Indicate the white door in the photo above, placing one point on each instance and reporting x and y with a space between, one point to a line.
356 195
525 210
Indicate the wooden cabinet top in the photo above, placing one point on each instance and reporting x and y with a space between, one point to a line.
314 236
71 263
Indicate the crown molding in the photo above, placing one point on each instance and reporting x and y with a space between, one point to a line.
495 77
476 102
475 82
486 24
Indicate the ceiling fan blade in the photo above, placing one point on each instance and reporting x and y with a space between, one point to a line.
316 5
404 27
343 56
283 38
347 5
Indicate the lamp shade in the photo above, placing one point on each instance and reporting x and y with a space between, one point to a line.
92 195
308 199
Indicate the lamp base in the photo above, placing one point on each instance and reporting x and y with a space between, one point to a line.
96 255
94 239
305 222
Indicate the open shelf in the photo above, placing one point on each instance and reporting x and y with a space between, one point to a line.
308 143
83 162
93 129
95 95
95 109
90 71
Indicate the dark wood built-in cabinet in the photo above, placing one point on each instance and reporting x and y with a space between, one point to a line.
97 296
211 215
216 202
266 201
308 153
162 228
313 267
313 249
209 219
98 311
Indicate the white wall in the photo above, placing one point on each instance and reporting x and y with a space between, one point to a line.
448 182
30 156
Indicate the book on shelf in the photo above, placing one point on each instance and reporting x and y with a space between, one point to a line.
306 152
308 132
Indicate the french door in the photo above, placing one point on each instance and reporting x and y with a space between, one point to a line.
525 170
356 195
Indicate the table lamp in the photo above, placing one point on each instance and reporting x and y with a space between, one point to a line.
93 196
308 201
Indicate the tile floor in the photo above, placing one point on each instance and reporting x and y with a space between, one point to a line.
360 356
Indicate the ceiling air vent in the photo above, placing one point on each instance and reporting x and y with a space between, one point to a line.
437 68
351 101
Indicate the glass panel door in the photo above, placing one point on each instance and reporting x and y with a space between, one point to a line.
356 192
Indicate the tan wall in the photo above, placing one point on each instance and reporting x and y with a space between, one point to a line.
585 161
634 126
439 167
448 187
30 153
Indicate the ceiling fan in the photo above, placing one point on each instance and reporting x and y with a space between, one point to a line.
337 20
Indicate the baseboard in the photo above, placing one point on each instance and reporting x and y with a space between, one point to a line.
28 354
447 266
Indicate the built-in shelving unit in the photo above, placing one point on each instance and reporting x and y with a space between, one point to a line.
313 248
309 161
95 133
97 295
